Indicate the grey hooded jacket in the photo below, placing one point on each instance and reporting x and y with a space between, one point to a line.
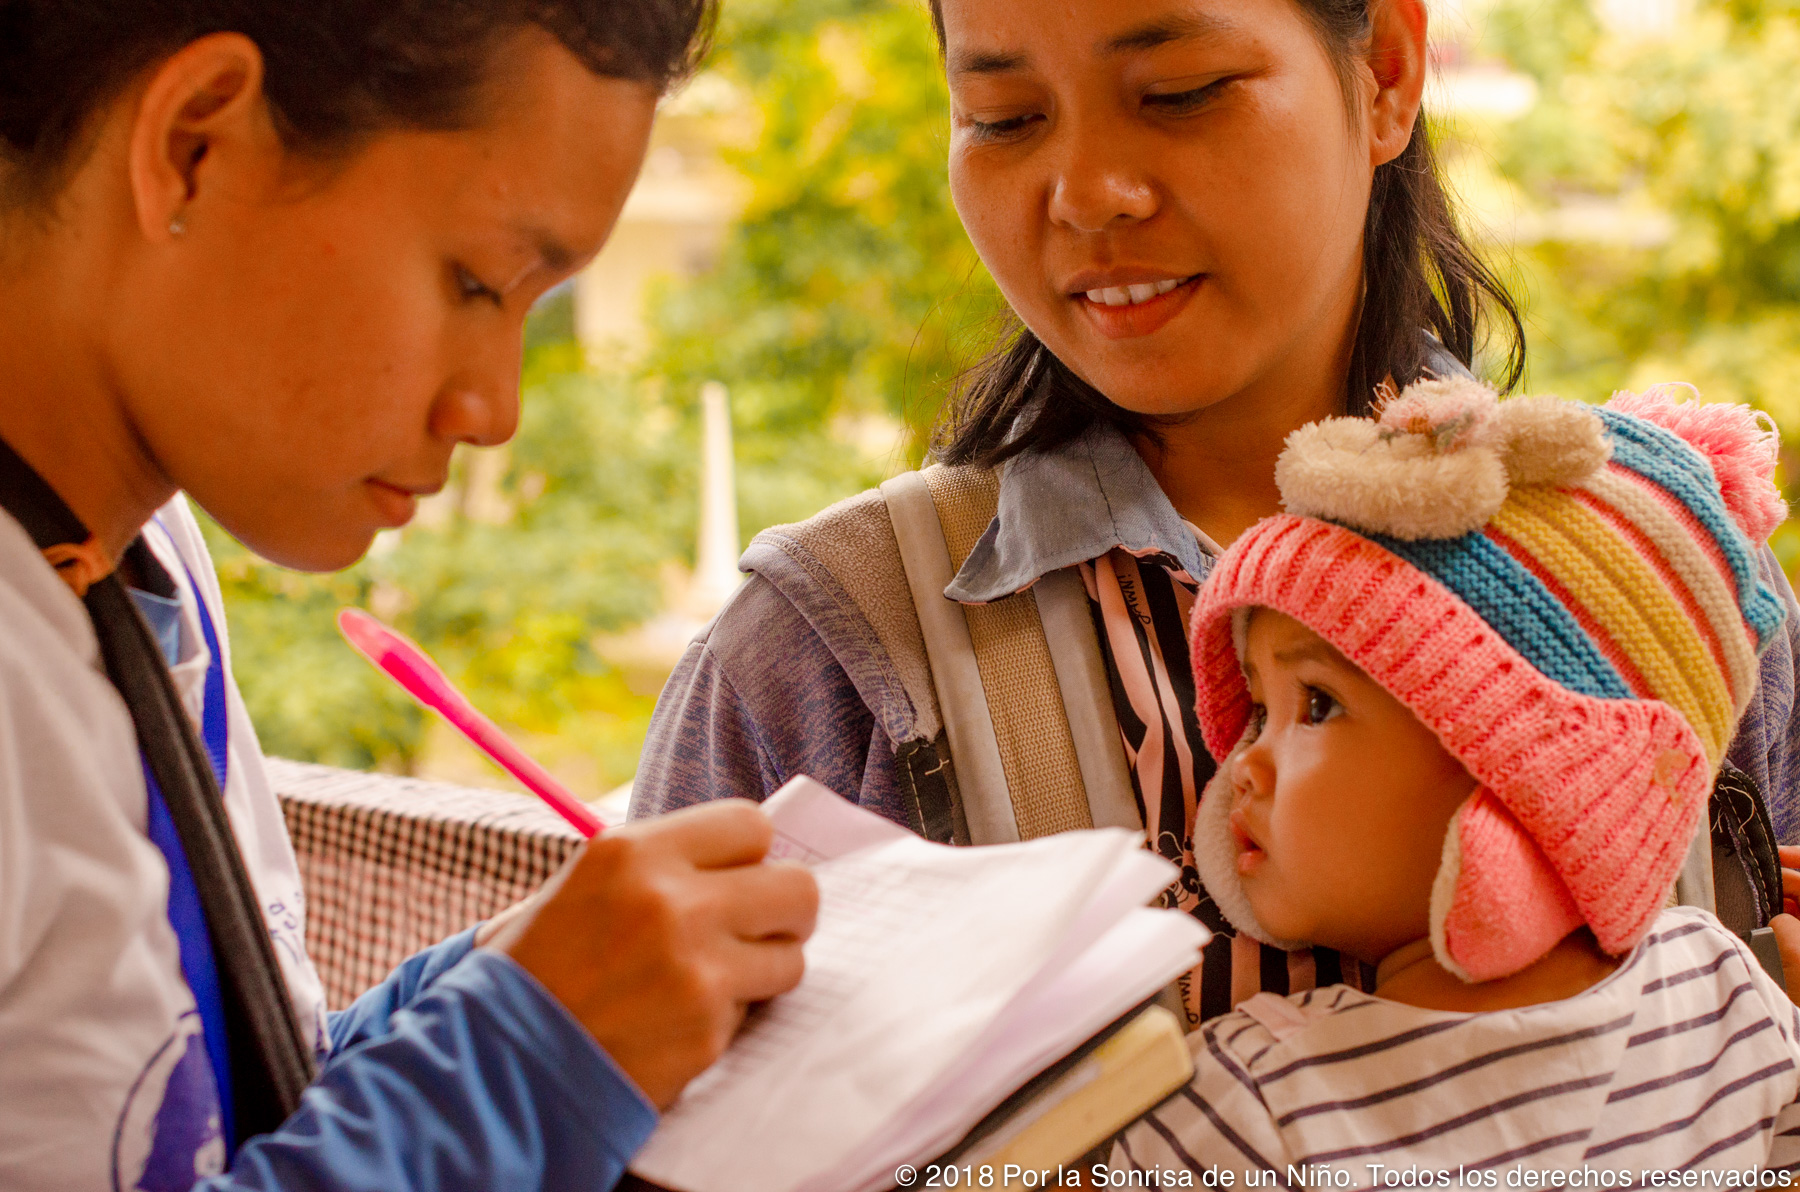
791 679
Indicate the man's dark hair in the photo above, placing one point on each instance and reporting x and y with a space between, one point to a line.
333 69
1419 274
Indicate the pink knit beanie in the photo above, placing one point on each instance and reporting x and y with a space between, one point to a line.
1566 595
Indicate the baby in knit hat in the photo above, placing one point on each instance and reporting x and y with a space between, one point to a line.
1471 691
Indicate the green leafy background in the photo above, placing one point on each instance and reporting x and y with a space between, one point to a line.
848 291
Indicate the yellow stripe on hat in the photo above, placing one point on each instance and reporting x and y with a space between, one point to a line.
1623 491
1625 596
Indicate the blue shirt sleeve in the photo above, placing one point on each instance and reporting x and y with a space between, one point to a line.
483 1082
368 1015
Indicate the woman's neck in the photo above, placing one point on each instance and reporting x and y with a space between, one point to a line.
1217 465
60 411
1411 974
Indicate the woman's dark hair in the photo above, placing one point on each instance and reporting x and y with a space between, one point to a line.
333 69
1419 274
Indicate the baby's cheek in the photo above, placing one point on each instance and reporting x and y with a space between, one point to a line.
1329 875
1278 911
1288 894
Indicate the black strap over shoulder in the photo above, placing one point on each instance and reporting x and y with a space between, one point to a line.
1746 867
929 783
271 1063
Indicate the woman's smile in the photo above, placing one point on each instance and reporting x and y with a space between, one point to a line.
1143 308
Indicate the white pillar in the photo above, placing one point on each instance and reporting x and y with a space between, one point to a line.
716 575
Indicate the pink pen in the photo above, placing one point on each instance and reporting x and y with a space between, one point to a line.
409 666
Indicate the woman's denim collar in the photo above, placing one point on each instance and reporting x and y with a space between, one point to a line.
1063 507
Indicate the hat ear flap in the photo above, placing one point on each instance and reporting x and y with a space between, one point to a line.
1215 857
1497 905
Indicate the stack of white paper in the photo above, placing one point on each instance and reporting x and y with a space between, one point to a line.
938 981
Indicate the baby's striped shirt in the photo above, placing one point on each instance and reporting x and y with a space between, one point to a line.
1685 1057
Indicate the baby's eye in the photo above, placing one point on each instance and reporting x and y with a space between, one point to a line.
1259 717
1320 706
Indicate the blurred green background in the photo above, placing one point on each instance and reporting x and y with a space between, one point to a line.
1631 166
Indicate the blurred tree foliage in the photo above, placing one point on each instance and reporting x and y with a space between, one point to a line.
848 297
1702 126
848 292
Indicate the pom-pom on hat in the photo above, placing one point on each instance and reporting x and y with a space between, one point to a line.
1566 595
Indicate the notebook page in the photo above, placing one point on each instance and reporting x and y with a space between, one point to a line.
918 948
1139 956
814 823
1133 883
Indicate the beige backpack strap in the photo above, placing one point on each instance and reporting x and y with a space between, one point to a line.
1030 724
851 556
1018 677
1074 644
1006 728
981 780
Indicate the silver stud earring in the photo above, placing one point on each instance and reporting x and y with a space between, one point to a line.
178 226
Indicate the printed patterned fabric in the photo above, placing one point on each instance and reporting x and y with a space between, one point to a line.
1141 608
392 865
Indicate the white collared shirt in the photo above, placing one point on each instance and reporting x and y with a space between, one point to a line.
94 1011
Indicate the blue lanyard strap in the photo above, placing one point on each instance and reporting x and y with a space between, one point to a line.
215 727
187 917
198 964
215 724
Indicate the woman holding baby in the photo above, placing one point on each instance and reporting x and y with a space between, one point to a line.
1217 223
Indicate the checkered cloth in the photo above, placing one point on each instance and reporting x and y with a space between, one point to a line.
391 864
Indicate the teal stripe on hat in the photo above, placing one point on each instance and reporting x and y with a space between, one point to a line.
1671 463
1516 605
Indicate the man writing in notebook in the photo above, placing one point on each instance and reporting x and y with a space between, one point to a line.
1471 692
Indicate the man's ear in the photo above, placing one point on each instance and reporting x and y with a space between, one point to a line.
1397 58
202 111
